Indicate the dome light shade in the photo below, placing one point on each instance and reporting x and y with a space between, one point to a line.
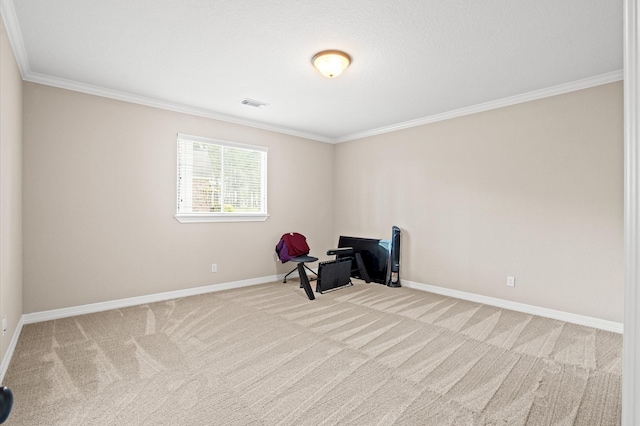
331 63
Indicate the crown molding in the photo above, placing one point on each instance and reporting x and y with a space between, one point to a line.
163 104
512 100
10 20
15 38
201 112
17 44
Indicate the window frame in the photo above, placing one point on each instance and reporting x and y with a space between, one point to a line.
222 216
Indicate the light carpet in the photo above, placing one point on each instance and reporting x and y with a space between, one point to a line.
266 355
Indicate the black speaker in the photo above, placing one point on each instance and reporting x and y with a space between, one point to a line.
6 402
394 277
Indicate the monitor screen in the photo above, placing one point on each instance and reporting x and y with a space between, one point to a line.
375 256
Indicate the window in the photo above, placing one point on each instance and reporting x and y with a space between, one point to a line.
220 181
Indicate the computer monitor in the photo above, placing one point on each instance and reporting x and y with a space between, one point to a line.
376 256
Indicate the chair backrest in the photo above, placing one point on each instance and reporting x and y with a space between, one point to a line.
292 244
296 243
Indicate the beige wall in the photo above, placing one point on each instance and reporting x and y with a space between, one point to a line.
10 190
533 190
99 202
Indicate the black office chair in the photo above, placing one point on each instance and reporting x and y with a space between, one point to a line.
295 243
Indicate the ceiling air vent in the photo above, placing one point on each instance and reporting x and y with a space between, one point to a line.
254 103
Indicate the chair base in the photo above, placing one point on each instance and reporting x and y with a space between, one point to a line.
302 260
304 282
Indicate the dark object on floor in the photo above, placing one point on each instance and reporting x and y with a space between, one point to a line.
394 279
374 254
358 269
6 402
334 275
304 281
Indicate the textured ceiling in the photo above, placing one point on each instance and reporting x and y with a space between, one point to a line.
412 59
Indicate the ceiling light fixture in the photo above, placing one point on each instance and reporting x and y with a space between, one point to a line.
331 63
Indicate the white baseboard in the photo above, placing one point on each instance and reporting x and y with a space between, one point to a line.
159 297
123 303
601 324
151 298
12 346
141 300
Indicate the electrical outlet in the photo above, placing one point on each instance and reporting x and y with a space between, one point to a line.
511 281
4 325
214 267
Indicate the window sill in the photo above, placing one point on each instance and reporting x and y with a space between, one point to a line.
220 217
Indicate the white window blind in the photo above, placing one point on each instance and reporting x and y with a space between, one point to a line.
220 180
